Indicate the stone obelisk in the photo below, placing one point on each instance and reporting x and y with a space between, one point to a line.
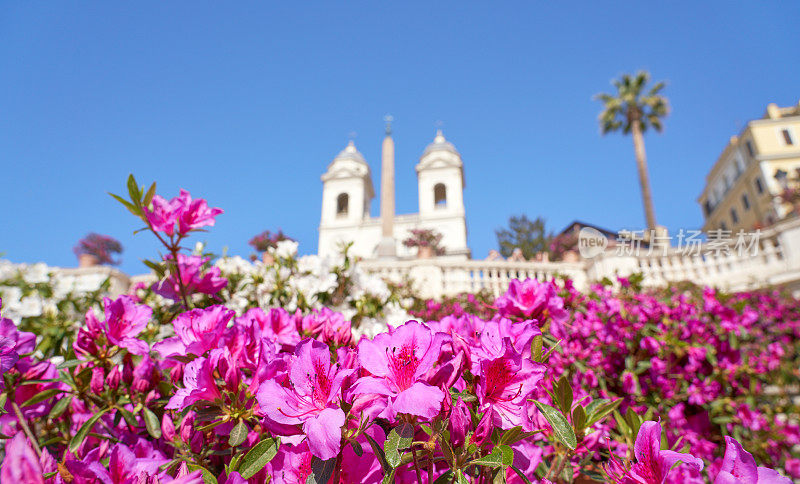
387 246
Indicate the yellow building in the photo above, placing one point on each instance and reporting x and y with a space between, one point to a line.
743 189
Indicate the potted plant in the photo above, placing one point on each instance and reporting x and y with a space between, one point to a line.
97 249
426 241
562 247
791 195
265 241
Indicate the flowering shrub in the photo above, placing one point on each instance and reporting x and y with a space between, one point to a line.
102 247
267 240
189 390
562 243
424 238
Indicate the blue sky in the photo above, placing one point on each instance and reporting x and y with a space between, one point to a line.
246 104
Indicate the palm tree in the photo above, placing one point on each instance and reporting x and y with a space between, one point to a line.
633 111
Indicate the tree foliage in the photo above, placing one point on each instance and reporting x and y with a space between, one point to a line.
530 236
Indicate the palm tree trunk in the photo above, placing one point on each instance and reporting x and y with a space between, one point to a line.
644 179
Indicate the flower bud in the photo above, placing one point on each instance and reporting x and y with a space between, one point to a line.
142 375
168 427
459 422
187 427
176 374
127 369
113 378
98 379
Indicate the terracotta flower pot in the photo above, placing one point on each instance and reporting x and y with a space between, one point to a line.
570 256
87 260
267 258
425 252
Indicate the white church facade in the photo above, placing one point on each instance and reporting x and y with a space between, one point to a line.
347 192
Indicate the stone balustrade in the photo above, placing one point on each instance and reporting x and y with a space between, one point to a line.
775 262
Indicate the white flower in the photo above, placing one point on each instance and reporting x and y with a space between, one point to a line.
285 249
234 265
35 273
30 306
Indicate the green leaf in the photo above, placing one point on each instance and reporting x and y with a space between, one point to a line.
501 456
59 408
258 457
447 450
152 423
208 477
321 470
536 348
396 441
133 190
550 351
461 478
148 197
357 448
445 478
41 396
131 208
129 417
69 364
521 475
562 430
564 392
238 434
388 477
234 463
579 418
378 451
595 413
81 434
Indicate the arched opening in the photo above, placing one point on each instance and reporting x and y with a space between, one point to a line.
342 202
440 195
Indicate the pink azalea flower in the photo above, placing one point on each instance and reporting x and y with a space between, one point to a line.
506 383
276 324
23 342
8 355
195 214
531 299
124 320
199 384
311 398
21 465
398 361
652 464
335 330
194 280
739 467
189 214
164 214
292 465
197 331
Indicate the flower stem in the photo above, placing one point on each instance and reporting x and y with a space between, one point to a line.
416 465
25 428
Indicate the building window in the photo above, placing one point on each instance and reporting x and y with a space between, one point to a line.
759 186
745 202
787 137
734 216
723 226
440 195
708 208
750 150
342 202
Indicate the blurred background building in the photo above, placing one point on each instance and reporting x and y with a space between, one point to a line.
755 182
